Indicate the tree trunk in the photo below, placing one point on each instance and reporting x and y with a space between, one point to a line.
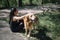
42 2
8 5
20 3
16 3
30 2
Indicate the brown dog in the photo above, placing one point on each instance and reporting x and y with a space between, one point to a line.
28 23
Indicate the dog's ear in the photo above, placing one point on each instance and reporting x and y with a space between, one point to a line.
36 18
30 16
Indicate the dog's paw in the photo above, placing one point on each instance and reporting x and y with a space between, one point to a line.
28 35
32 28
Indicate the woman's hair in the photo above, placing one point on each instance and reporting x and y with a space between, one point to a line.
12 14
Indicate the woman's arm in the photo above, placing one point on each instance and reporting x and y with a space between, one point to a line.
19 18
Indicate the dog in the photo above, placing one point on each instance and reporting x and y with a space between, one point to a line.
29 20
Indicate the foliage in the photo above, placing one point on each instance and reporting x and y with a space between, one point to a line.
16 3
48 26
50 21
25 2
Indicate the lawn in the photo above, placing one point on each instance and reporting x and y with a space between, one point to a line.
48 27
50 24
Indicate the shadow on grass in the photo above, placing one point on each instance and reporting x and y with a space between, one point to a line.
2 26
41 35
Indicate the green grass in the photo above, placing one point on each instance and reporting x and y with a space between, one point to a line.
48 26
50 21
5 19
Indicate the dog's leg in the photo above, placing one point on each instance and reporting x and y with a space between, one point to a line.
26 32
29 33
25 29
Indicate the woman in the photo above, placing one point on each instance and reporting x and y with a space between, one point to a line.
16 23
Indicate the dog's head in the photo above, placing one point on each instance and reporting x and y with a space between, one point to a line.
33 17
